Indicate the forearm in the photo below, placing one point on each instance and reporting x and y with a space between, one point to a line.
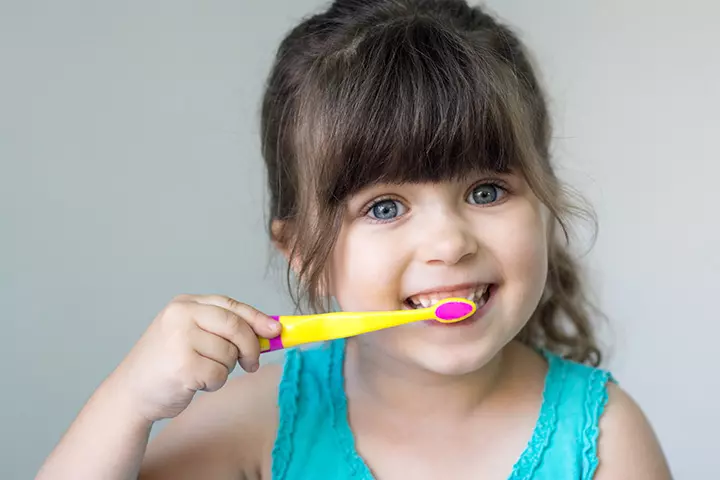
107 440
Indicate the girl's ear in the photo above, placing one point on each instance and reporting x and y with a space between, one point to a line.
282 237
277 233
279 230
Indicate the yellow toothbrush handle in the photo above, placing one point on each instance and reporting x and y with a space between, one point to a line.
301 329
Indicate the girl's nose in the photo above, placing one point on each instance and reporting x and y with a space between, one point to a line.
449 240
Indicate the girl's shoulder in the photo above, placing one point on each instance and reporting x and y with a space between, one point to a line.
588 407
225 434
627 445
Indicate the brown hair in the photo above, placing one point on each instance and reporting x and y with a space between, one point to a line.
410 91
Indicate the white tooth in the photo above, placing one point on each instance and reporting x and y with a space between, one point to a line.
434 299
424 301
479 293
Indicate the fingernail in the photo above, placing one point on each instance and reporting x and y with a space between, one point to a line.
274 326
254 367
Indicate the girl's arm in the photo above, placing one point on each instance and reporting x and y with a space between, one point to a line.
107 440
193 344
628 447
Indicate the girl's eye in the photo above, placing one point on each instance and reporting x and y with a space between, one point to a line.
485 194
386 210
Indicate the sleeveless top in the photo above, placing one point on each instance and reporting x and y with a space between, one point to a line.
314 439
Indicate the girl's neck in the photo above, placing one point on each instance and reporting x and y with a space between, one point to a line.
386 384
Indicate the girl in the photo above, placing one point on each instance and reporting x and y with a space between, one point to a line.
407 150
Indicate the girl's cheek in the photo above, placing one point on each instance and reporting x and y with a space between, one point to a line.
364 271
519 244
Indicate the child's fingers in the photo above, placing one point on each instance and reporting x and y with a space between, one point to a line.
262 324
215 348
228 325
207 374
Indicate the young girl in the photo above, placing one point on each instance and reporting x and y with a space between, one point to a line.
407 150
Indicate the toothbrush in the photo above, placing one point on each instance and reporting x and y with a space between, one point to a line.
302 329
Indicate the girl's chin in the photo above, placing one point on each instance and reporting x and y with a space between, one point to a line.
452 365
451 358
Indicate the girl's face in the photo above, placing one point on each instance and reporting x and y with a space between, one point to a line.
407 245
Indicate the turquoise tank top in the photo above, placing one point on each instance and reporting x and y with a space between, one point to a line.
314 439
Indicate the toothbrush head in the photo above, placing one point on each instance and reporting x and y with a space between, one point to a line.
451 310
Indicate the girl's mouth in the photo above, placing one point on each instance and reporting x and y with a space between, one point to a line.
480 294
483 301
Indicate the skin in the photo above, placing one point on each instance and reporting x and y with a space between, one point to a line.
469 394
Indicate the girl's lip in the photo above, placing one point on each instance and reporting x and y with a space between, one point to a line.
472 319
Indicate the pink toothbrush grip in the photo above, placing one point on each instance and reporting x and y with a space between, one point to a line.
275 343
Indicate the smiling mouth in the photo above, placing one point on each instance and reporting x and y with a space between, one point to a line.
479 294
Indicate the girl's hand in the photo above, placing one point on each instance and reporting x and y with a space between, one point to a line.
193 344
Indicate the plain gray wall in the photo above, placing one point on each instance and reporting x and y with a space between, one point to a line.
130 172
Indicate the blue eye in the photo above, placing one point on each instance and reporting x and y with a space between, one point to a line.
386 210
485 194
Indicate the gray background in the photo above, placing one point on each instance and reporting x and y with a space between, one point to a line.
130 172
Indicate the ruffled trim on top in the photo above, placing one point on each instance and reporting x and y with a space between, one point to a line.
287 408
530 459
595 401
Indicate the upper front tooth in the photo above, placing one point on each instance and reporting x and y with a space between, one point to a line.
424 301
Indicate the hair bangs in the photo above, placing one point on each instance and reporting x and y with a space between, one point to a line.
408 101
